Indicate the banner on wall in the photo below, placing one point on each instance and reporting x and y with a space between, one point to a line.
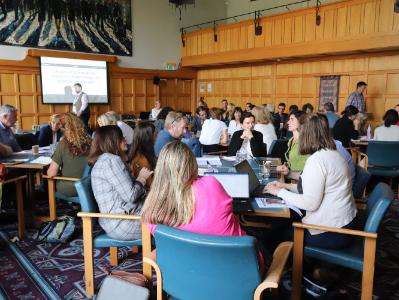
329 91
103 27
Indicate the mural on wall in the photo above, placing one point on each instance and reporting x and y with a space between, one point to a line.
94 26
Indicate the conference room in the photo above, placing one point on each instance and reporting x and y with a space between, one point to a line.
229 149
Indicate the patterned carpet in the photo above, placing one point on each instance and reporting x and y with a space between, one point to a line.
36 270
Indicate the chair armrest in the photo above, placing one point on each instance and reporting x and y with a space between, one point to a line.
109 216
217 152
280 257
61 178
14 179
154 265
365 234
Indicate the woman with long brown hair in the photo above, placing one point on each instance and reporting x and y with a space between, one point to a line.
70 156
115 188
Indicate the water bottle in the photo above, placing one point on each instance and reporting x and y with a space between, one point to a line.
369 132
241 156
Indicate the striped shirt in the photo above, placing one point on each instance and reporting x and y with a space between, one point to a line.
357 100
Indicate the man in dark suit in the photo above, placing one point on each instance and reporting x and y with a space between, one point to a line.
50 133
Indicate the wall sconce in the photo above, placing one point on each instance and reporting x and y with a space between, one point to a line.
215 35
318 17
183 41
258 27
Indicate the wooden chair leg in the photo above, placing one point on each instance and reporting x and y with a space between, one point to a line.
20 210
368 268
135 249
297 264
88 255
51 199
113 256
146 249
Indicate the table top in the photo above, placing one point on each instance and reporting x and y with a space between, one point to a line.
29 156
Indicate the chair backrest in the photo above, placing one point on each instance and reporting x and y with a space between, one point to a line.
144 115
278 148
362 177
86 171
85 193
383 154
377 205
196 266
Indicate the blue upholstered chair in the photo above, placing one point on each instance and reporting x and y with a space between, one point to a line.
53 196
90 211
196 266
359 256
278 149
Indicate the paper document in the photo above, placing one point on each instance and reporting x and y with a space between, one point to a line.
10 162
209 160
275 203
42 160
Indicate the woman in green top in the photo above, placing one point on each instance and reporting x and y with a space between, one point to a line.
70 156
296 162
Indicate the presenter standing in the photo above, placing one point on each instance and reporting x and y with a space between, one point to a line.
81 105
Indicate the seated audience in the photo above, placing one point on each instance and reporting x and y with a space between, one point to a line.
114 187
8 118
363 124
389 131
142 154
293 108
295 160
175 128
156 110
214 131
228 115
235 123
307 108
126 129
178 198
247 139
329 111
347 127
325 188
199 119
270 108
201 102
50 133
249 106
70 156
224 105
397 110
160 121
264 125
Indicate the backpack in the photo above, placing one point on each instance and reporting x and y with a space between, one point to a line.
57 231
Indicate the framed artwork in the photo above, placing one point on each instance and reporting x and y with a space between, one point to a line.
93 26
329 90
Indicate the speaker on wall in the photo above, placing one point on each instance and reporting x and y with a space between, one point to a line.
156 80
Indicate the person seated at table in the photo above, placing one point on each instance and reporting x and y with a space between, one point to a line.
50 133
307 108
115 188
293 108
325 188
329 111
214 132
126 129
347 127
8 118
156 110
175 128
70 156
5 150
235 123
160 121
247 140
199 119
389 131
264 125
363 124
295 160
228 115
249 106
142 154
179 198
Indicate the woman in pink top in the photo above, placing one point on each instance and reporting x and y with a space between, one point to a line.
178 198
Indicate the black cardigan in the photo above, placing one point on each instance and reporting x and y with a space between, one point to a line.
258 148
344 131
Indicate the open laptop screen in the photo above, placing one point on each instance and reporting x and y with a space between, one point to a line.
235 184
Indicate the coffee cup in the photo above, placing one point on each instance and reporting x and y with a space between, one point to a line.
35 149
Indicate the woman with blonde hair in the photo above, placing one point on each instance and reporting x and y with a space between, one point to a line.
178 198
263 124
70 156
228 115
106 119
50 133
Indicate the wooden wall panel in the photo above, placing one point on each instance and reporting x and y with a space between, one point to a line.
298 82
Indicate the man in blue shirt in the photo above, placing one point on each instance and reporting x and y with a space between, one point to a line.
330 114
356 98
8 117
174 129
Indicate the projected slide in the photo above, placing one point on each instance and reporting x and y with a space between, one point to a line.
58 75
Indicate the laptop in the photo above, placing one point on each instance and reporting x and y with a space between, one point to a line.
255 188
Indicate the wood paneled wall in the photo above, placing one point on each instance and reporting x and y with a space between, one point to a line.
131 91
346 26
298 83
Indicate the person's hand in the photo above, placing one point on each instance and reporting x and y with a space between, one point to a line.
144 174
272 188
78 114
283 169
247 134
